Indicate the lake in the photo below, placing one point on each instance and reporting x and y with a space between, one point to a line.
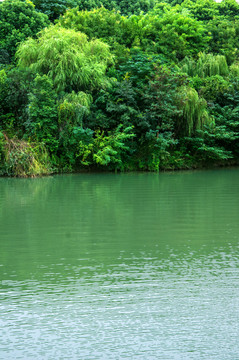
120 266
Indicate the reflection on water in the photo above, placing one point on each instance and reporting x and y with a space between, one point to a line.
120 266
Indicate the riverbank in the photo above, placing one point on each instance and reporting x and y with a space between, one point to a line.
23 159
148 89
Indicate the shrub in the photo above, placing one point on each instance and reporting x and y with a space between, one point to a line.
23 159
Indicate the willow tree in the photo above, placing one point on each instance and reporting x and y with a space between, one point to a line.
67 57
194 112
73 107
206 65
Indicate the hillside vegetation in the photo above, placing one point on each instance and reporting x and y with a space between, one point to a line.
118 85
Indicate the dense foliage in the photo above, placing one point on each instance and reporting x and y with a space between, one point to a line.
55 8
18 21
118 85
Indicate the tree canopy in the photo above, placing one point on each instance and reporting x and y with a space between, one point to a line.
66 57
18 21
55 8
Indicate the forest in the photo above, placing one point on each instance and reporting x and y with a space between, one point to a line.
118 85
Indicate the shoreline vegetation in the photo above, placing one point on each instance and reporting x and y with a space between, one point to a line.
118 85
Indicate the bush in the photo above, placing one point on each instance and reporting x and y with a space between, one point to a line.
23 159
109 150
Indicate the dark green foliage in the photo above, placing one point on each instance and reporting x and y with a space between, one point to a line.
226 112
14 91
220 143
124 101
204 150
117 105
229 9
2 157
203 10
18 21
72 110
138 67
4 57
41 124
149 102
125 7
162 98
54 8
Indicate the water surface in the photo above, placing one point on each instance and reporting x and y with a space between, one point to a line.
120 266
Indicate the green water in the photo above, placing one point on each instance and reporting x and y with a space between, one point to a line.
128 266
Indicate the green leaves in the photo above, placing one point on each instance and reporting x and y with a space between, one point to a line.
54 8
195 114
173 33
107 150
67 58
41 124
167 98
206 65
18 21
73 108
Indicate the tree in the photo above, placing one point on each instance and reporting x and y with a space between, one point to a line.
172 33
67 58
203 10
18 21
176 34
224 37
107 25
222 23
125 7
128 7
41 124
15 87
206 65
54 8
229 9
195 114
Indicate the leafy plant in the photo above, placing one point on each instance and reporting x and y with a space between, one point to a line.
106 150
